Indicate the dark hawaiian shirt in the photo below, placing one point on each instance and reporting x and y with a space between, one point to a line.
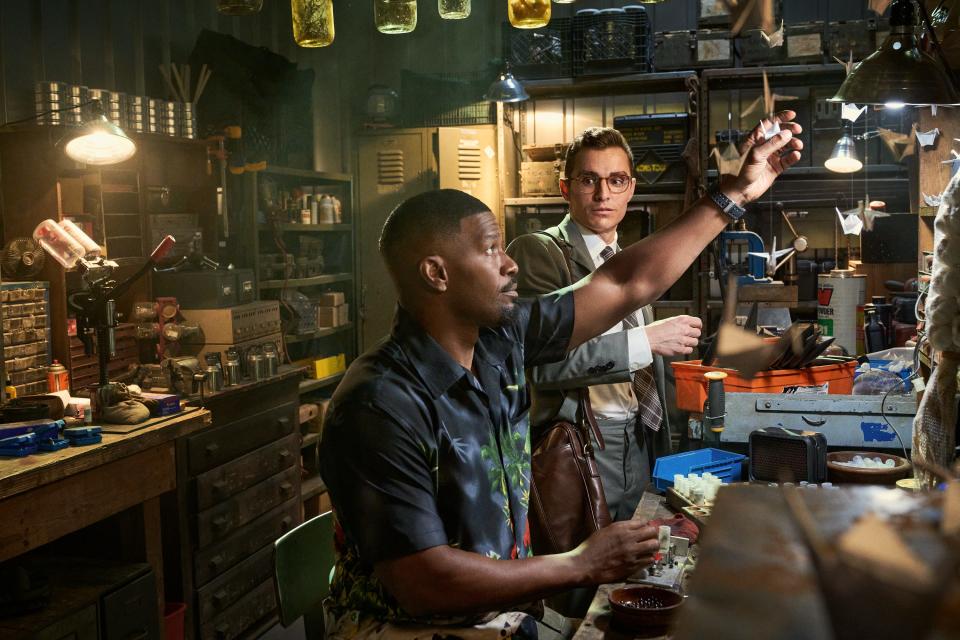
417 452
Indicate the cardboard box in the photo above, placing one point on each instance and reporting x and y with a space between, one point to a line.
169 403
331 299
327 317
540 178
326 367
343 315
233 324
71 195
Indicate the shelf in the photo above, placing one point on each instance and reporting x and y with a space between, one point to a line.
325 177
310 439
671 81
307 282
752 77
312 486
306 227
319 333
306 386
558 200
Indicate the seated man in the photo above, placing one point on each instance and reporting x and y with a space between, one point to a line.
426 446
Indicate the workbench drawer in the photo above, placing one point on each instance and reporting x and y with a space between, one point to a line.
81 625
244 613
216 597
220 483
213 561
218 445
131 611
220 521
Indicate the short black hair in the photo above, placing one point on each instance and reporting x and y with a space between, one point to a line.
422 218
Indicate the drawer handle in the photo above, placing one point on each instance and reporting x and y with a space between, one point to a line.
215 562
285 488
284 455
223 631
219 597
212 448
285 523
220 523
283 421
219 487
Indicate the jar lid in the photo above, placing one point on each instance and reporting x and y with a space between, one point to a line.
612 10
630 8
587 12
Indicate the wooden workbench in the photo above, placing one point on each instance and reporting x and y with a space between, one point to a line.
597 624
45 496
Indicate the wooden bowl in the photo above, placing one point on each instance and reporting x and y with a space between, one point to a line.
643 607
842 474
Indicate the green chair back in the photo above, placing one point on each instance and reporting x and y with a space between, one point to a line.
303 561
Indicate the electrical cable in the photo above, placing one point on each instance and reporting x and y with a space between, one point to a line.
37 116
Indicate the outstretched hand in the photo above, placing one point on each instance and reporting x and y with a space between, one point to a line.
766 159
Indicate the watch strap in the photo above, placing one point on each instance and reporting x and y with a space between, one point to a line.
726 205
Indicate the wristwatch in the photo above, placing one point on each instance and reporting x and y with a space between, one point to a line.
728 206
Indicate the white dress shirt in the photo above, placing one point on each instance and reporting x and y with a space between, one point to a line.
617 401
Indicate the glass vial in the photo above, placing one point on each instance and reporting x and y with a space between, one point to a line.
395 16
528 14
239 7
454 9
312 22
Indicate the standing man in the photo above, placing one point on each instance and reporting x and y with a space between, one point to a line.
624 366
426 445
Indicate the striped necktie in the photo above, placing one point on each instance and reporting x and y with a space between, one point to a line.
644 384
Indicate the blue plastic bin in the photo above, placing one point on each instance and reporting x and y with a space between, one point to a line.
723 464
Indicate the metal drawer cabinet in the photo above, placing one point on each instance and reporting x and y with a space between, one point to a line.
213 561
229 479
219 594
220 521
222 444
130 612
245 612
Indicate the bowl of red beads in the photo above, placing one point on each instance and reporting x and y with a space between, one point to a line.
644 606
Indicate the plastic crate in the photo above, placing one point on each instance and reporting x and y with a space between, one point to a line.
541 53
612 43
692 386
445 101
723 464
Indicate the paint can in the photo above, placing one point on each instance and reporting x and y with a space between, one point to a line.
839 293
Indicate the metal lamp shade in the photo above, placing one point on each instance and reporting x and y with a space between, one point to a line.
100 142
844 157
506 88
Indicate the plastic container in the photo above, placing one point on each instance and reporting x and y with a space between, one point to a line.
173 616
692 386
722 464
58 244
91 247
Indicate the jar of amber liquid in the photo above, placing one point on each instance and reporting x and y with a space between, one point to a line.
395 16
454 9
312 22
528 14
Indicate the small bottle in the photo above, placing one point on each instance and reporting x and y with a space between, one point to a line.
10 390
87 415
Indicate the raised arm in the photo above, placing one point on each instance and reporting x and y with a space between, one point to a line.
641 273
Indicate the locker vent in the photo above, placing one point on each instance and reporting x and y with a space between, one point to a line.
468 164
390 167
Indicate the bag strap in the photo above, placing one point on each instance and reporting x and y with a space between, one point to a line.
586 410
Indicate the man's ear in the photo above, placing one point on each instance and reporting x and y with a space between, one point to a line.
565 189
433 273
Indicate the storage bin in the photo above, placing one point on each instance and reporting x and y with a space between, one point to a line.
692 386
723 464
610 43
541 53
683 50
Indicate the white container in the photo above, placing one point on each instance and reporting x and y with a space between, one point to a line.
92 248
838 295
58 244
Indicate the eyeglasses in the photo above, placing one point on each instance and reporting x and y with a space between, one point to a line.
588 182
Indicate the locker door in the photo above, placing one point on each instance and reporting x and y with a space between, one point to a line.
391 168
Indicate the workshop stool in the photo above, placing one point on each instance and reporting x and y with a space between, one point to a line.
303 564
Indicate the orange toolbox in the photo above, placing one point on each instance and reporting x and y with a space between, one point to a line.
692 386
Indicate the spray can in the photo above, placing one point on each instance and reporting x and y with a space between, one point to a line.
57 377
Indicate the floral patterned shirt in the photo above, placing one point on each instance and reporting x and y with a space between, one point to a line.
418 452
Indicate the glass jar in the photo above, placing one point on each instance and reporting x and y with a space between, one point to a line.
312 22
395 16
239 7
454 9
528 14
